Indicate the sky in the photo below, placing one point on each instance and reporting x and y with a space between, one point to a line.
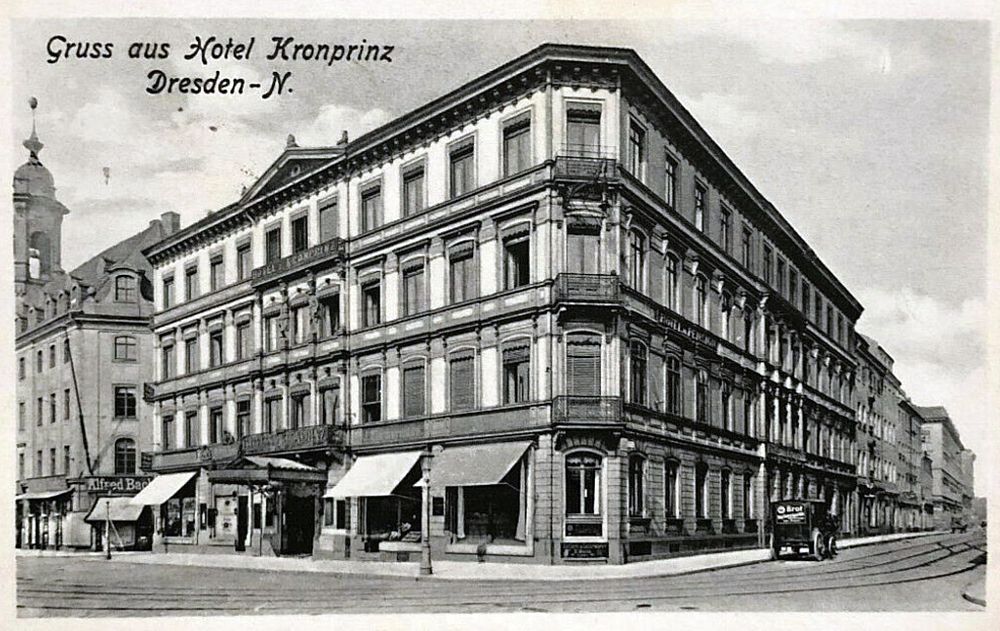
870 137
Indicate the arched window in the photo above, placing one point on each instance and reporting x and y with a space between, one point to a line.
124 456
637 373
126 348
583 364
125 289
637 260
583 493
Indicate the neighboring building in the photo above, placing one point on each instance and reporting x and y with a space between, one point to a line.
878 394
914 474
968 480
83 353
941 441
979 510
552 280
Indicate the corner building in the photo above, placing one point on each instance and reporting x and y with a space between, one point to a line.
549 287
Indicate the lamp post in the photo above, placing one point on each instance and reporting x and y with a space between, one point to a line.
425 535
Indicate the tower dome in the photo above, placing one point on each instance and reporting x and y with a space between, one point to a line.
32 177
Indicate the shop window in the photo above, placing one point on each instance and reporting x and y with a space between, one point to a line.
192 433
179 513
636 489
637 373
244 261
244 341
371 298
494 513
414 388
462 381
671 492
329 405
168 432
371 208
125 401
583 494
243 427
413 191
583 364
125 290
701 490
126 348
300 234
516 145
336 513
371 398
215 349
636 261
328 219
583 247
301 330
517 262
272 414
124 456
272 245
583 130
329 307
462 272
216 427
413 288
516 372
462 168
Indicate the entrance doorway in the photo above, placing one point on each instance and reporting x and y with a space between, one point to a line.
300 524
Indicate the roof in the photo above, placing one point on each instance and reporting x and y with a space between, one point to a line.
932 413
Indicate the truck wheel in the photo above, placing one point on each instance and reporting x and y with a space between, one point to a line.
817 546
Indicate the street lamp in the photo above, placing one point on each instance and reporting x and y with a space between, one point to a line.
425 535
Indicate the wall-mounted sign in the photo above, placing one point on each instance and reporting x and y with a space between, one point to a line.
585 550
117 484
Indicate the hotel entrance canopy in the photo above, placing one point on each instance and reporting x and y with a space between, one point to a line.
162 488
475 465
257 470
375 476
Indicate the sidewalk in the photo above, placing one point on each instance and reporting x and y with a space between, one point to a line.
466 570
975 591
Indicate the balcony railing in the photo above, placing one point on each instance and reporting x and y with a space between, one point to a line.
582 409
455 425
586 165
594 288
294 262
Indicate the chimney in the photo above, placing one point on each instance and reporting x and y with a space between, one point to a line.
171 223
343 139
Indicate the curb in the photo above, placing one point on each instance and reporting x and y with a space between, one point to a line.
976 600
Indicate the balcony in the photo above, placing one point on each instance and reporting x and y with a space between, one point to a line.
585 164
587 288
573 410
297 262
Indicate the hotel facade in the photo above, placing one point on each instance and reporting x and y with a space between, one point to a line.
548 292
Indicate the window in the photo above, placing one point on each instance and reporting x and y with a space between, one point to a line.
461 168
66 404
39 470
217 273
272 335
191 283
125 290
327 219
767 265
124 456
413 191
671 507
673 385
336 513
21 412
725 229
20 368
168 366
67 460
215 350
329 313
725 310
699 207
637 373
126 348
125 401
52 356
168 292
637 260
371 208
516 145
747 496
701 301
517 267
818 302
748 413
272 414
829 320
583 484
39 411
726 491
781 275
583 364
169 434
583 130
20 466
52 408
727 410
272 245
300 411
191 355
673 282
670 192
636 507
637 151
793 286
244 261
300 234
244 341
39 361
371 299
413 288
414 389
52 460
371 398
516 372
191 430
701 490
806 303
329 405
747 252
301 329
583 247
243 418
463 282
462 381
701 397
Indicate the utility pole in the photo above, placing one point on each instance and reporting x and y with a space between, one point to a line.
107 528
425 534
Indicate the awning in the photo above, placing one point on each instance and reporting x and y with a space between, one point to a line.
117 508
375 476
475 465
285 464
42 495
162 488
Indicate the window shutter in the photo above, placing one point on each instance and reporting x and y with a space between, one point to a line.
517 352
463 383
413 390
583 365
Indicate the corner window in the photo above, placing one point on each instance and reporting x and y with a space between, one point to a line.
371 398
461 168
371 303
583 364
371 208
517 145
413 191
583 488
583 247
272 245
516 372
125 401
462 381
583 130
125 290
517 265
126 348
414 389
462 272
300 234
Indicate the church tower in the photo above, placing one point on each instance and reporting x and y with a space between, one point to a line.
38 217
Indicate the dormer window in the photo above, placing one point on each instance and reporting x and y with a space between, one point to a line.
125 289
